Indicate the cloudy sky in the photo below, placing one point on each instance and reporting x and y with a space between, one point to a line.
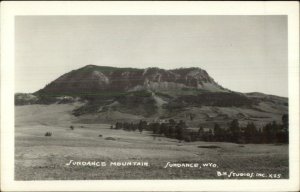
242 53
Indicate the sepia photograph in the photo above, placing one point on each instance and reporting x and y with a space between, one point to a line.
154 97
151 97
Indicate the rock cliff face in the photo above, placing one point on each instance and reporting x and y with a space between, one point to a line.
92 78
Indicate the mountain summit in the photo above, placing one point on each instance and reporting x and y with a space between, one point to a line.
92 78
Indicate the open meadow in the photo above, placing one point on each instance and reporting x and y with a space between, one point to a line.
40 157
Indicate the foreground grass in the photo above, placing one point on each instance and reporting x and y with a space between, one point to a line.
45 158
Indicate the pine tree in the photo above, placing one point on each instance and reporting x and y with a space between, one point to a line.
218 133
234 131
250 133
285 125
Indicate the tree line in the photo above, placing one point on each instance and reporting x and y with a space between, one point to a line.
270 133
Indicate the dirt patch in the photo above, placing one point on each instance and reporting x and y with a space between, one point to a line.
209 147
110 138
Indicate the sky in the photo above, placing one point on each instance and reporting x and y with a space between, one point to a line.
241 53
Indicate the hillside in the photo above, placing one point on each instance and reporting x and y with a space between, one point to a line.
109 94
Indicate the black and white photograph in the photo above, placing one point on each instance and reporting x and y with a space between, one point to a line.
152 97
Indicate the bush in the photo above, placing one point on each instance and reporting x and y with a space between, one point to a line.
187 138
72 127
100 135
48 134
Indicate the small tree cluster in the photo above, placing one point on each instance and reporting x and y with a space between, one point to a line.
142 125
172 129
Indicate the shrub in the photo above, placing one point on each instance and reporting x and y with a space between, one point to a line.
48 134
187 138
72 127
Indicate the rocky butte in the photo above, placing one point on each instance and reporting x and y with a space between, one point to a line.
92 78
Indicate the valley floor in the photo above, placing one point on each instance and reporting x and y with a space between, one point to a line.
38 157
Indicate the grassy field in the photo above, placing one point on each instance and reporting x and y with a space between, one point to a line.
38 157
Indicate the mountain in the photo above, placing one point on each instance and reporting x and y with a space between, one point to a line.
92 79
110 94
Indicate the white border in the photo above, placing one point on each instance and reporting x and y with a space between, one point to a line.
11 9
